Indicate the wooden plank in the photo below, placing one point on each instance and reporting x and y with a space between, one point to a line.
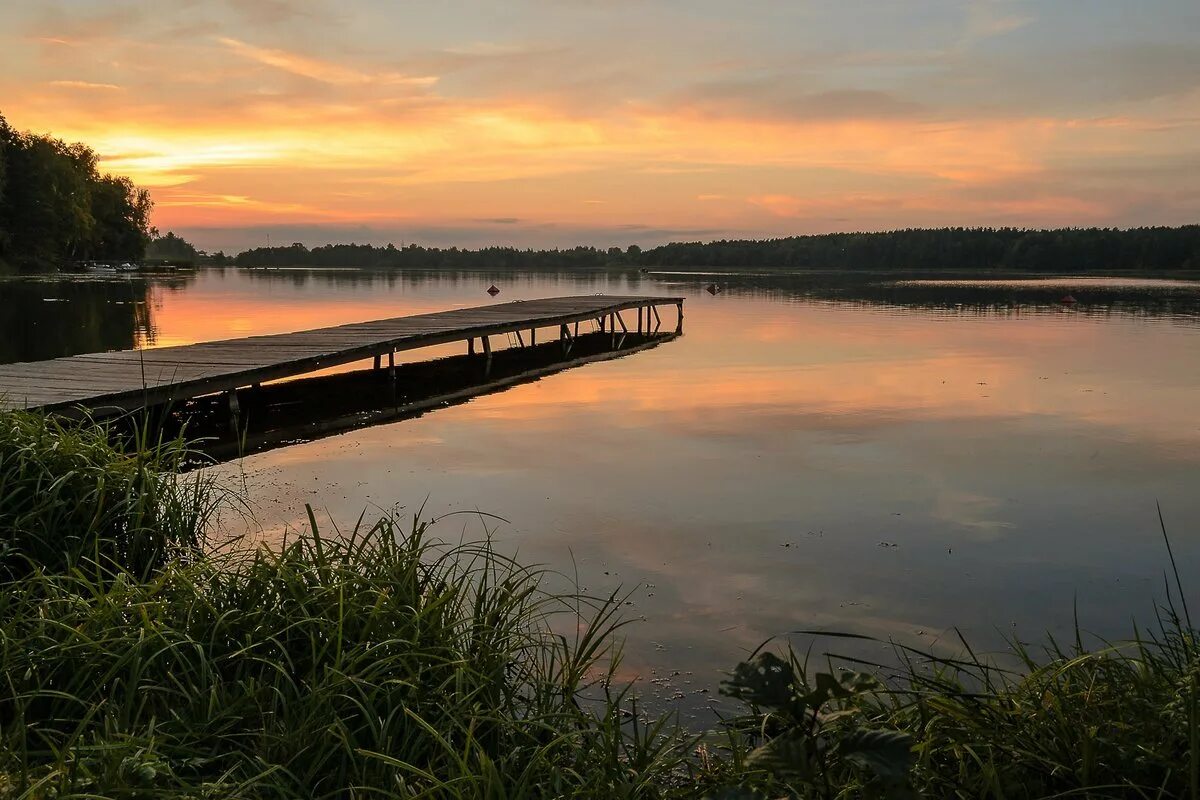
130 378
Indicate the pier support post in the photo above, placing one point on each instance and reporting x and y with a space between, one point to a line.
392 365
471 345
679 324
487 352
657 319
377 362
235 410
639 320
533 337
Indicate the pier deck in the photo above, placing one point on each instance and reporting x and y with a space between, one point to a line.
130 379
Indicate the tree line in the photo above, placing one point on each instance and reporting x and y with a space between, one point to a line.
1017 249
56 206
417 257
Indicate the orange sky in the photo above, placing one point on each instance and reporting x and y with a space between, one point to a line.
614 123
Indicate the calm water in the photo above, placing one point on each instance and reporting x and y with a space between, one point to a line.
853 455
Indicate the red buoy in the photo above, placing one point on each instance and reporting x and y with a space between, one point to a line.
1068 300
493 291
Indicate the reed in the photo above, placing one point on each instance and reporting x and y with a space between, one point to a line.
70 495
371 664
1085 718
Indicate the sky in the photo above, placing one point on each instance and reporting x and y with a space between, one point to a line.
616 122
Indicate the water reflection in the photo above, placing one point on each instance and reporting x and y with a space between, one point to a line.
1006 296
815 453
52 317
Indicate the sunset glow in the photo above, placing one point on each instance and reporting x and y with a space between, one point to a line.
615 123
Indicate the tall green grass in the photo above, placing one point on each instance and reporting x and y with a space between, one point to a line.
1098 719
374 664
379 663
1110 721
69 496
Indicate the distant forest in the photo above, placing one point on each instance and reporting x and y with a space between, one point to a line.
1063 250
1017 249
416 257
56 207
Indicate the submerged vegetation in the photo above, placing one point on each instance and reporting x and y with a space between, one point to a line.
139 662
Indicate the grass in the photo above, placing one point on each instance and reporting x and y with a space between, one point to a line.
1112 721
377 662
68 496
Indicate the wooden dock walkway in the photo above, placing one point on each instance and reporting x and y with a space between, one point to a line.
129 379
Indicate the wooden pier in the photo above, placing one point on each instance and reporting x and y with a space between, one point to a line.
106 383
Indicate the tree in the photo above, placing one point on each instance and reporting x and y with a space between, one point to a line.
172 248
6 136
122 219
55 206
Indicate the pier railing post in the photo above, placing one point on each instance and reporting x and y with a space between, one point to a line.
235 410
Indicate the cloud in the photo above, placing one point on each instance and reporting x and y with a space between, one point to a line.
778 96
86 85
585 122
320 70
988 18
276 12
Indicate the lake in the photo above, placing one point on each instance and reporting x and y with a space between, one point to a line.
893 456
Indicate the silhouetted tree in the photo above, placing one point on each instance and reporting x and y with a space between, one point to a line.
55 206
172 248
1064 250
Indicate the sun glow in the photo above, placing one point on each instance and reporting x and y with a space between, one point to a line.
234 125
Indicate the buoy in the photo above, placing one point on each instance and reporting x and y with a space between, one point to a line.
712 288
493 291
1068 300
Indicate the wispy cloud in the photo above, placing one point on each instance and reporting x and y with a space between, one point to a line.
573 118
86 85
989 18
320 70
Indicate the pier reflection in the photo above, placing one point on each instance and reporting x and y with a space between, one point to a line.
285 413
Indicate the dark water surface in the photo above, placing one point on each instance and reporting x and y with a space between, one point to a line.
865 455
